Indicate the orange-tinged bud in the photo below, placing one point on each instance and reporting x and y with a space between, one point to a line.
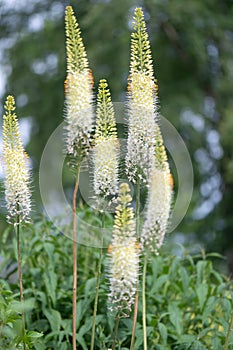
91 77
171 180
66 85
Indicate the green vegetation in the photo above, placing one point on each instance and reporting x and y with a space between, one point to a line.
180 297
189 302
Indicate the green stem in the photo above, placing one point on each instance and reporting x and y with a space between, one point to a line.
134 320
115 332
75 277
138 238
138 210
20 280
230 329
97 284
144 303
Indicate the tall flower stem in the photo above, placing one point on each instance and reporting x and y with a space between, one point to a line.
98 282
115 332
138 237
144 302
138 188
229 332
20 279
75 277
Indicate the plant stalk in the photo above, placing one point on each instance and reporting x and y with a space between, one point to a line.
138 188
20 280
97 283
115 332
230 329
144 303
138 238
75 277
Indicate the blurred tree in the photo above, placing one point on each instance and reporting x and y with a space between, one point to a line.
192 46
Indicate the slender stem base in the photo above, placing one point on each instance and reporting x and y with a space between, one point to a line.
97 285
230 330
20 281
134 320
74 305
138 238
144 303
115 332
138 188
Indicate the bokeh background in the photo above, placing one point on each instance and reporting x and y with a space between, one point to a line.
192 46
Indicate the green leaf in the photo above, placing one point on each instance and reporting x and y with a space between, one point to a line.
42 297
201 265
215 255
216 343
82 308
202 292
197 345
187 338
158 283
205 331
33 334
50 279
226 306
210 305
86 327
90 288
163 332
174 266
49 248
81 341
54 319
175 316
139 339
217 276
184 278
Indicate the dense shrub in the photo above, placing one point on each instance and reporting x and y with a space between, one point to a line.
189 302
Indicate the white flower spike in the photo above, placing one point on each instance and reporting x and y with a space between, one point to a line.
78 87
142 102
15 164
159 200
124 257
106 150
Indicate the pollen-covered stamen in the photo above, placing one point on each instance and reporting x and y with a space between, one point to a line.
106 150
124 257
15 165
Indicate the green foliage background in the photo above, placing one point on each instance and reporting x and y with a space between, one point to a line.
192 46
189 302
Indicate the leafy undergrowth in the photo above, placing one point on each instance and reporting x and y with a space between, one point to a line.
189 303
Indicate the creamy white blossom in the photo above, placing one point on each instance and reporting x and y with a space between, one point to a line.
142 101
159 200
158 210
106 149
16 168
124 276
79 91
124 257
